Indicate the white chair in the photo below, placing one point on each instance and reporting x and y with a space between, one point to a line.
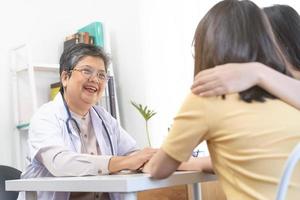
290 164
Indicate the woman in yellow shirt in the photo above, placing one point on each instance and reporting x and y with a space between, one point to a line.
236 77
249 134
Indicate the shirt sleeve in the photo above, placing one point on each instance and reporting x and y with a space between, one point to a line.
62 162
45 130
188 130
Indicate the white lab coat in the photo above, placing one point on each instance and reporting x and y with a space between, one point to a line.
48 128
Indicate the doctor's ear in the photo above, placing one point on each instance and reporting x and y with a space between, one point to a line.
64 78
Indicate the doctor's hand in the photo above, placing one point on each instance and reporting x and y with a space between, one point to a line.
137 159
133 161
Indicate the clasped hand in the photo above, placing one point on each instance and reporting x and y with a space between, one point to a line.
137 159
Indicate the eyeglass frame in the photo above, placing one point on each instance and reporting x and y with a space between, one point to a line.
86 68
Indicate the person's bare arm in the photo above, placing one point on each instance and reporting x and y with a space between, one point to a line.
161 165
284 87
197 164
236 77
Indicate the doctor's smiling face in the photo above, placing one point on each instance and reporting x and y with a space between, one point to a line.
83 76
84 84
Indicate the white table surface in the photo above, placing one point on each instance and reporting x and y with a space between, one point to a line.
125 183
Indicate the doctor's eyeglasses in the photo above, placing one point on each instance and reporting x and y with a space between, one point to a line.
88 72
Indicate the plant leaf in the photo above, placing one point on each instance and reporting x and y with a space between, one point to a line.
144 111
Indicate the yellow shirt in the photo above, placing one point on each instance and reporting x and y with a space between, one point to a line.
248 142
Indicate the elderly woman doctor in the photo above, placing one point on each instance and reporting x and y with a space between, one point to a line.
70 136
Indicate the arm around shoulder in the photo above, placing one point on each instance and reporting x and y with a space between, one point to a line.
236 77
280 85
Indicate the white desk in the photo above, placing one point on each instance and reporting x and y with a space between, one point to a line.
129 184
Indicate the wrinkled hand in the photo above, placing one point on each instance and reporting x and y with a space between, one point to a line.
226 79
139 158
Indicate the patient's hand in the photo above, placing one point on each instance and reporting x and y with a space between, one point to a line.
197 164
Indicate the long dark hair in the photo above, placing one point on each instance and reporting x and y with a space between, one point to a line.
237 31
285 22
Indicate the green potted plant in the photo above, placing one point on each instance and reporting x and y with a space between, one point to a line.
146 114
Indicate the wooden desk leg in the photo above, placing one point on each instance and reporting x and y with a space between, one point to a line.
196 191
129 196
30 195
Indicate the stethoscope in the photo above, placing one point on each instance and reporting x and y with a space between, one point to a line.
73 122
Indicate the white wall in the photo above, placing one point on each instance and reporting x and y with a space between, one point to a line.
168 29
151 52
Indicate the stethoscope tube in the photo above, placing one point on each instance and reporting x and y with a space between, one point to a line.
71 120
106 131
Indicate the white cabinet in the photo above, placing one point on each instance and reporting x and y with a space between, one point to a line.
31 88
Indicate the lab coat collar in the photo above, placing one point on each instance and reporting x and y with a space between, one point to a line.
96 122
58 101
99 130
